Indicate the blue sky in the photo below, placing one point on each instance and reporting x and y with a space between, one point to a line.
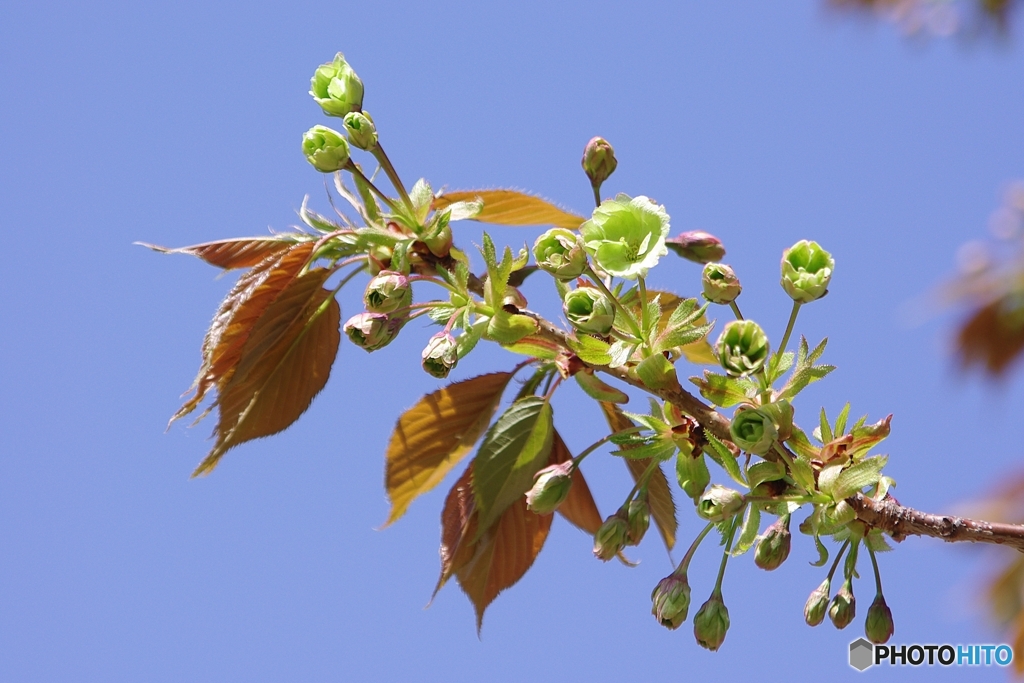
176 123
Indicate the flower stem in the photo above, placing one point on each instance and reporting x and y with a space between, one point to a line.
385 163
642 480
597 444
354 170
725 555
835 564
597 194
634 326
684 564
789 327
643 306
878 576
736 310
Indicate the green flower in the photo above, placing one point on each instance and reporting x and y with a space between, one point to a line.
753 431
441 355
625 236
560 252
361 131
742 348
721 286
337 88
670 600
711 623
806 271
589 310
326 149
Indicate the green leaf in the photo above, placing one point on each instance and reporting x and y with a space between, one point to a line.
509 207
508 328
535 347
681 336
593 387
765 470
805 371
802 473
876 541
824 430
840 428
799 442
856 477
656 449
515 447
591 350
620 352
656 372
827 478
748 532
724 391
724 457
467 341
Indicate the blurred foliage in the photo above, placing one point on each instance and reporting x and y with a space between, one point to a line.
940 17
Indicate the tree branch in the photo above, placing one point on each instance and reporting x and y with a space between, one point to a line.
899 522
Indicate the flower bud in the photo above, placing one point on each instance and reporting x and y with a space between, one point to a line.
719 503
843 608
692 473
753 431
697 246
441 355
560 252
387 291
612 536
711 623
326 149
878 627
721 286
806 271
361 131
781 412
598 161
817 604
550 488
670 601
773 546
336 87
372 331
589 310
439 242
639 516
742 348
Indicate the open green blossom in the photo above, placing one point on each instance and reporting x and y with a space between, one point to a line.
626 236
326 149
806 271
589 310
336 87
742 348
753 431
560 252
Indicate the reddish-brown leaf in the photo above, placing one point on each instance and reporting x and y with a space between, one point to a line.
509 207
663 507
435 434
240 252
502 554
579 508
238 313
285 362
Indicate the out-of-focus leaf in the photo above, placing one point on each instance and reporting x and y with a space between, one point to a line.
233 323
509 207
578 508
659 495
285 362
240 252
514 448
435 434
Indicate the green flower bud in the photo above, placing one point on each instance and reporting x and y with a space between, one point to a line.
560 252
626 236
742 348
697 246
692 473
441 355
337 88
439 242
670 601
719 504
387 291
773 546
843 607
326 149
612 536
878 627
753 430
806 271
372 331
711 623
721 286
550 488
361 131
817 604
781 412
598 161
589 310
639 516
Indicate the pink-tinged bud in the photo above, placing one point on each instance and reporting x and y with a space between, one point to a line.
372 331
711 623
550 488
817 604
843 608
670 601
387 291
878 627
611 537
441 355
697 246
598 161
773 547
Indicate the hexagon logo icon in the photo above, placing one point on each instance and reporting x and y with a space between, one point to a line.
862 654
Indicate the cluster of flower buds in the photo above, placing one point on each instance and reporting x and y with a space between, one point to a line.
806 271
773 546
670 600
560 252
742 348
612 536
589 310
550 488
711 623
721 286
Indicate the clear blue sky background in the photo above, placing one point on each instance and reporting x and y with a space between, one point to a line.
179 122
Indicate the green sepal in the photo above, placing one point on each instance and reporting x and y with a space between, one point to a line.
822 553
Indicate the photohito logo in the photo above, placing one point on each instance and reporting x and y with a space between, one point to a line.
863 655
